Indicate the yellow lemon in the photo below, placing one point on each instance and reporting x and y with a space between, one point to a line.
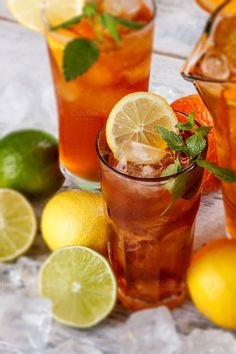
30 13
75 218
211 281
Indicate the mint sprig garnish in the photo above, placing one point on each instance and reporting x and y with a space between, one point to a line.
193 147
109 22
81 53
189 125
222 173
172 139
128 23
68 24
89 10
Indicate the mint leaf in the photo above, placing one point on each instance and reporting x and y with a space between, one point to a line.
195 144
109 22
173 140
67 24
172 169
169 171
203 131
79 55
90 9
224 174
189 125
129 24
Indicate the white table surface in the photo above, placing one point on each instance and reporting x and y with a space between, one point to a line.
26 86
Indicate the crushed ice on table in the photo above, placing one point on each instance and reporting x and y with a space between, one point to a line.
23 276
26 326
73 346
187 318
150 331
25 322
208 342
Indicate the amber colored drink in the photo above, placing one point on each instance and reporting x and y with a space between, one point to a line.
212 68
85 103
150 231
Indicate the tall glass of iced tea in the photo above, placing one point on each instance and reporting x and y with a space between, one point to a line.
151 221
85 103
212 68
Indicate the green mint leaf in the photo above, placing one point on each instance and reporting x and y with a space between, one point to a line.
68 24
224 174
169 171
109 22
191 117
129 24
189 125
172 169
79 55
203 131
173 140
195 144
90 9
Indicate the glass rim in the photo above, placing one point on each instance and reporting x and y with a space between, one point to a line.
185 70
146 179
149 23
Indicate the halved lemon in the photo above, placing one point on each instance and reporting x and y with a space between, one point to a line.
131 127
30 12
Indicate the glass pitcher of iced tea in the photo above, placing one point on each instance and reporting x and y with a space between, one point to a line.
84 103
212 69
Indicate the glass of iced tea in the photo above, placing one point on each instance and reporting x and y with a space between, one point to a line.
212 69
151 222
85 103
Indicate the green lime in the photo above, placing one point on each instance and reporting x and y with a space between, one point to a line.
80 284
17 225
29 163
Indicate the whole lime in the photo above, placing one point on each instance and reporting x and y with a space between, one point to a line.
29 163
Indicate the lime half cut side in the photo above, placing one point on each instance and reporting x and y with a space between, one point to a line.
17 225
80 284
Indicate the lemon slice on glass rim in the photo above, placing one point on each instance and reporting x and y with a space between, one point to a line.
131 127
29 12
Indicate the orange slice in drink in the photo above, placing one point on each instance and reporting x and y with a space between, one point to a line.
131 129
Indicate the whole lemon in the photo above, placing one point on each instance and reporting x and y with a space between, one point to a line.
75 218
211 281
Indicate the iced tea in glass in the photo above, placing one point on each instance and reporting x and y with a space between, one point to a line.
84 104
151 221
212 68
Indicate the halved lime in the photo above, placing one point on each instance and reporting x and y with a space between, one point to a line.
80 284
17 225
